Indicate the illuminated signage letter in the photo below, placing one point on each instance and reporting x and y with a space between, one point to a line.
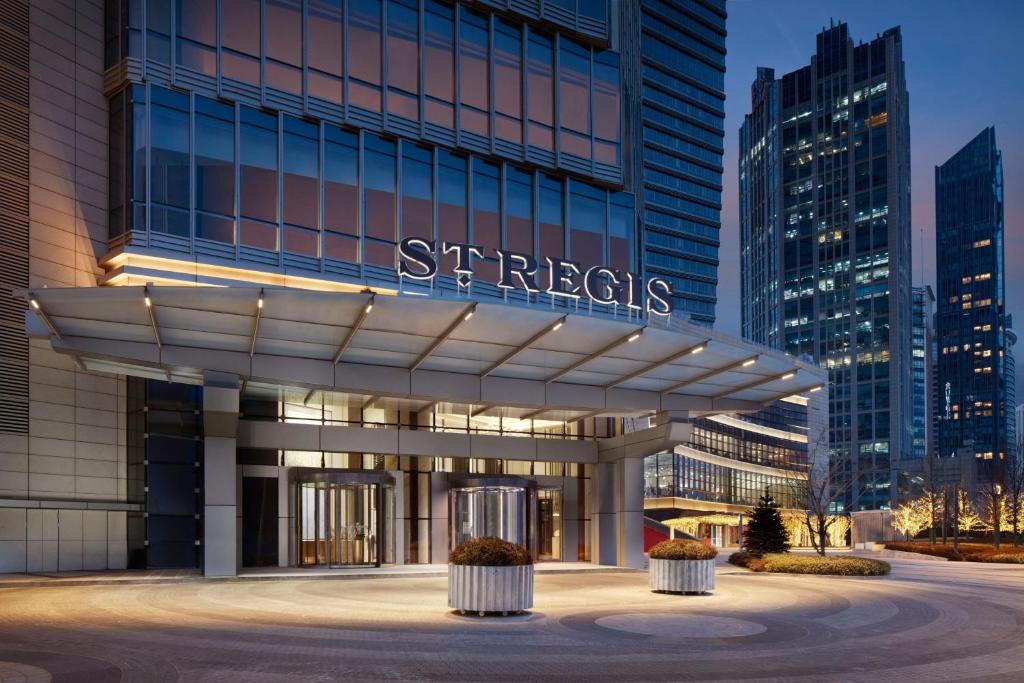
519 265
464 259
658 293
636 291
602 285
420 253
561 278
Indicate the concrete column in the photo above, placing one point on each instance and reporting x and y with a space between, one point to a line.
602 516
570 519
629 512
221 535
438 518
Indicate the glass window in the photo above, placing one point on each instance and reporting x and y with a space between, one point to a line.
196 25
574 99
379 199
158 30
417 194
283 41
257 154
215 170
519 200
403 58
364 19
508 86
116 160
451 202
621 232
439 63
169 175
486 204
324 35
552 217
588 219
540 85
301 185
341 194
138 150
606 107
473 78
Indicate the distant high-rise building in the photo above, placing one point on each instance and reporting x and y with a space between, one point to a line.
1012 424
971 321
921 362
824 174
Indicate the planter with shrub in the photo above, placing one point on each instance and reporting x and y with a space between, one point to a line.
680 566
490 575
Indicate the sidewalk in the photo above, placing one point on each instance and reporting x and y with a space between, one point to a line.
166 576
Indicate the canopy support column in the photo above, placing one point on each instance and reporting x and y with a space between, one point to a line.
221 520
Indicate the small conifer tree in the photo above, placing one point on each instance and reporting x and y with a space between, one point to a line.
766 532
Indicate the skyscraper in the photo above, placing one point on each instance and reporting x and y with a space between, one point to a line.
971 322
824 174
921 351
674 53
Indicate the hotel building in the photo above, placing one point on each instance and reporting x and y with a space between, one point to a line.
344 283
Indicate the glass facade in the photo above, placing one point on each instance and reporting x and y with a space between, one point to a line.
825 229
924 307
679 50
710 467
971 321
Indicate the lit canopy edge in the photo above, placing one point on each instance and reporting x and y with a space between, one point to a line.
431 349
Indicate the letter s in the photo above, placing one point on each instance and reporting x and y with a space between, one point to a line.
659 294
419 252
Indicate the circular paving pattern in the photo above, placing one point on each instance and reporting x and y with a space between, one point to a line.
927 621
681 625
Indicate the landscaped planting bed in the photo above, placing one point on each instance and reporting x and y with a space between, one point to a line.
969 552
785 563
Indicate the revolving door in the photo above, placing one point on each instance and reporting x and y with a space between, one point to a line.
343 518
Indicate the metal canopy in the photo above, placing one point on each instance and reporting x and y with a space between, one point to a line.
535 357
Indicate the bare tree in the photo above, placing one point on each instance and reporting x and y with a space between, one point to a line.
933 494
1014 492
820 494
992 507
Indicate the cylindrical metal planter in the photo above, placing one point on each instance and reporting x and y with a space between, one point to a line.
682 576
490 589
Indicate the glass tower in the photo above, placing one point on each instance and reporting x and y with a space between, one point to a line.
924 307
825 229
971 322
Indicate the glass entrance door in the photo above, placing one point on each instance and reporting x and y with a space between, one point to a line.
340 524
549 524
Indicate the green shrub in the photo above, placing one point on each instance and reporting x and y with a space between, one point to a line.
780 563
682 549
489 552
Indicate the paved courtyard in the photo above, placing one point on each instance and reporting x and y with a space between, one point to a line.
928 621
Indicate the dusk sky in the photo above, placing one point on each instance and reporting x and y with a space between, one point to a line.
963 65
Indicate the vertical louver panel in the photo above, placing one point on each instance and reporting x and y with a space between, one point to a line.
13 214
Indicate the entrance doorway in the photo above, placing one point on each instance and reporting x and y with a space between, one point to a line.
549 524
510 508
344 519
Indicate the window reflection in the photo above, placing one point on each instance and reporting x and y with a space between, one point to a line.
439 63
169 176
379 199
486 214
451 202
196 26
606 107
283 42
215 170
324 49
519 198
540 84
301 186
508 101
258 172
364 19
341 195
473 78
574 99
158 30
417 204
552 217
587 212
403 58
